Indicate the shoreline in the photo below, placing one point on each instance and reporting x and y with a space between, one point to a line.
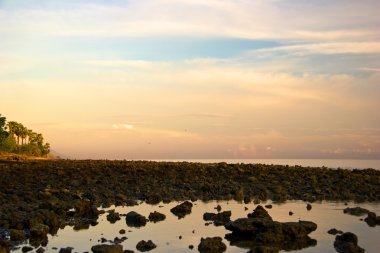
34 192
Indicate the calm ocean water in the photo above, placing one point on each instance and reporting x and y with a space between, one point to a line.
330 163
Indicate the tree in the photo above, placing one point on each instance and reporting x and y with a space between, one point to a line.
3 129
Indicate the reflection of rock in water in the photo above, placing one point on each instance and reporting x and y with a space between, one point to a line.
257 245
261 234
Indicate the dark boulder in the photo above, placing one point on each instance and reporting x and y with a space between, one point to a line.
182 210
134 219
104 248
66 250
357 211
156 217
113 216
334 231
212 245
347 243
259 230
145 245
219 219
309 206
86 209
260 212
372 220
27 249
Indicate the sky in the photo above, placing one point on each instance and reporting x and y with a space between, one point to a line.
182 79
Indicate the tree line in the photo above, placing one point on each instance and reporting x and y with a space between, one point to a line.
16 138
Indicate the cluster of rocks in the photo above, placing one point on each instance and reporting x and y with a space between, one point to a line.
260 233
372 219
347 243
219 219
68 192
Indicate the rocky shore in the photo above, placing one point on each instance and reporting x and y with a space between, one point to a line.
42 196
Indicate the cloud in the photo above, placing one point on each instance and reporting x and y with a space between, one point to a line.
326 48
239 19
123 126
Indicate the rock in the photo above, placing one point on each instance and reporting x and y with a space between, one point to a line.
113 216
212 245
218 208
40 250
26 249
145 246
308 206
182 210
17 235
66 250
104 248
259 230
86 209
260 212
219 219
291 213
372 220
154 199
334 231
118 240
128 251
39 231
357 211
191 246
122 231
347 243
268 206
156 217
134 219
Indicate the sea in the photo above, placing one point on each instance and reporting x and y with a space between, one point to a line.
330 163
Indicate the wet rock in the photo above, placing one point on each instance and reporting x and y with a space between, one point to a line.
260 212
118 240
309 206
113 216
182 210
259 230
66 250
26 249
39 231
212 245
219 219
357 211
334 231
131 202
372 220
268 206
128 251
347 243
104 248
122 231
155 199
156 217
40 250
291 213
218 208
17 235
145 245
134 219
191 246
86 209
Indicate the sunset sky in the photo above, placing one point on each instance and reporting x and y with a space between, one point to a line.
180 79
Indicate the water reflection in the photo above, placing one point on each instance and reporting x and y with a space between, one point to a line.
177 235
